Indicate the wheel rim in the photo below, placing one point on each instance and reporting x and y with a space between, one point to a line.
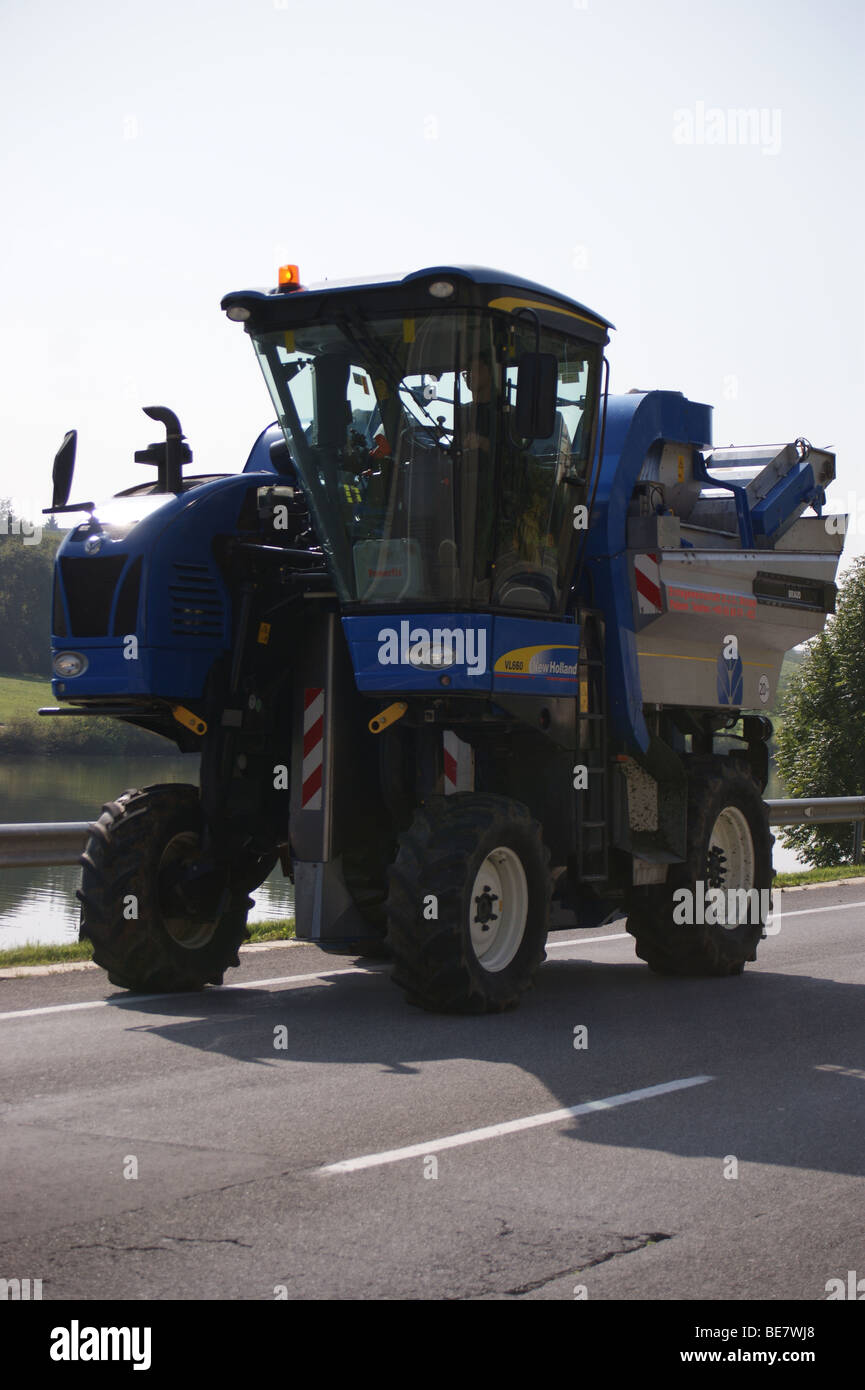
498 909
184 916
731 858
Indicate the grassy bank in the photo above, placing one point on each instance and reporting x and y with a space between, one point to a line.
23 731
36 954
819 876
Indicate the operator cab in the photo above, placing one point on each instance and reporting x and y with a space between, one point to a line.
442 428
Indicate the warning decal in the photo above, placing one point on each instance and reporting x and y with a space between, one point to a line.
647 577
313 748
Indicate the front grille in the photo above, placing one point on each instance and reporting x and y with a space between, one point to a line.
89 583
126 612
196 607
58 625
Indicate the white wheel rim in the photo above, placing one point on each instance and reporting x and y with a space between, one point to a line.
731 858
498 909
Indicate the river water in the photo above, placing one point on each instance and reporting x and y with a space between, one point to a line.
40 904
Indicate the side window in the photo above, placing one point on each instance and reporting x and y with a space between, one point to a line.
542 480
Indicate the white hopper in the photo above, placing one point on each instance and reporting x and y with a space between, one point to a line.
713 621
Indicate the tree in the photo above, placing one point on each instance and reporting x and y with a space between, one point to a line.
26 568
820 744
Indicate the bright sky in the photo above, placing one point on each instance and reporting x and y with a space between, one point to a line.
156 155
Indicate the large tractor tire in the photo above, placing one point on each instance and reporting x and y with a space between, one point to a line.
468 906
154 927
729 848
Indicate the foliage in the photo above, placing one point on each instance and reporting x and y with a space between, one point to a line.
789 666
26 569
820 744
84 735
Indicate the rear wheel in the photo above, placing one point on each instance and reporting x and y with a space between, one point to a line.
703 931
468 905
158 921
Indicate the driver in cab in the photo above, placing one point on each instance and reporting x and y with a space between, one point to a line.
478 430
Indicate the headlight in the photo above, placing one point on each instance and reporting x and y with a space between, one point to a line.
68 664
434 658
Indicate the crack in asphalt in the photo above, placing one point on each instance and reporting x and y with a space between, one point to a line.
636 1242
145 1208
180 1240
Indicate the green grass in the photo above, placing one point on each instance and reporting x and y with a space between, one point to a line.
818 875
22 731
271 931
21 696
34 953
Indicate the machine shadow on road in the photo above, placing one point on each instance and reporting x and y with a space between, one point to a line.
785 1053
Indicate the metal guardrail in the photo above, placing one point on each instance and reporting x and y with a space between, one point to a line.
821 810
42 844
48 843
825 810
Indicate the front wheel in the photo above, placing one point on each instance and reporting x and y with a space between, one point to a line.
468 905
159 920
709 916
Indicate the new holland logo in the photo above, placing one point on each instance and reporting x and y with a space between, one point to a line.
555 662
434 648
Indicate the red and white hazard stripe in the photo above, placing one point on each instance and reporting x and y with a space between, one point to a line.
313 749
459 764
647 576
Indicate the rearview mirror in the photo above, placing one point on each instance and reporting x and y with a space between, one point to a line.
64 467
537 390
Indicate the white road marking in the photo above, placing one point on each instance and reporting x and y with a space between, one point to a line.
807 911
311 975
144 999
620 936
588 940
474 1136
60 1008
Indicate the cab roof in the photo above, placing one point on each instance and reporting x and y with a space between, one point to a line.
473 286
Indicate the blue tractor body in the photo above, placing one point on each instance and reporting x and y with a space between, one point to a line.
454 646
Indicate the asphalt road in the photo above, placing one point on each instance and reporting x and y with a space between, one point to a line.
239 1110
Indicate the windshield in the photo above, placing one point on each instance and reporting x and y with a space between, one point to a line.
401 430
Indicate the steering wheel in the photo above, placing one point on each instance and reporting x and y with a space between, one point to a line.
435 437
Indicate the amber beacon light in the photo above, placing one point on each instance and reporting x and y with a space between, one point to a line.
289 277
